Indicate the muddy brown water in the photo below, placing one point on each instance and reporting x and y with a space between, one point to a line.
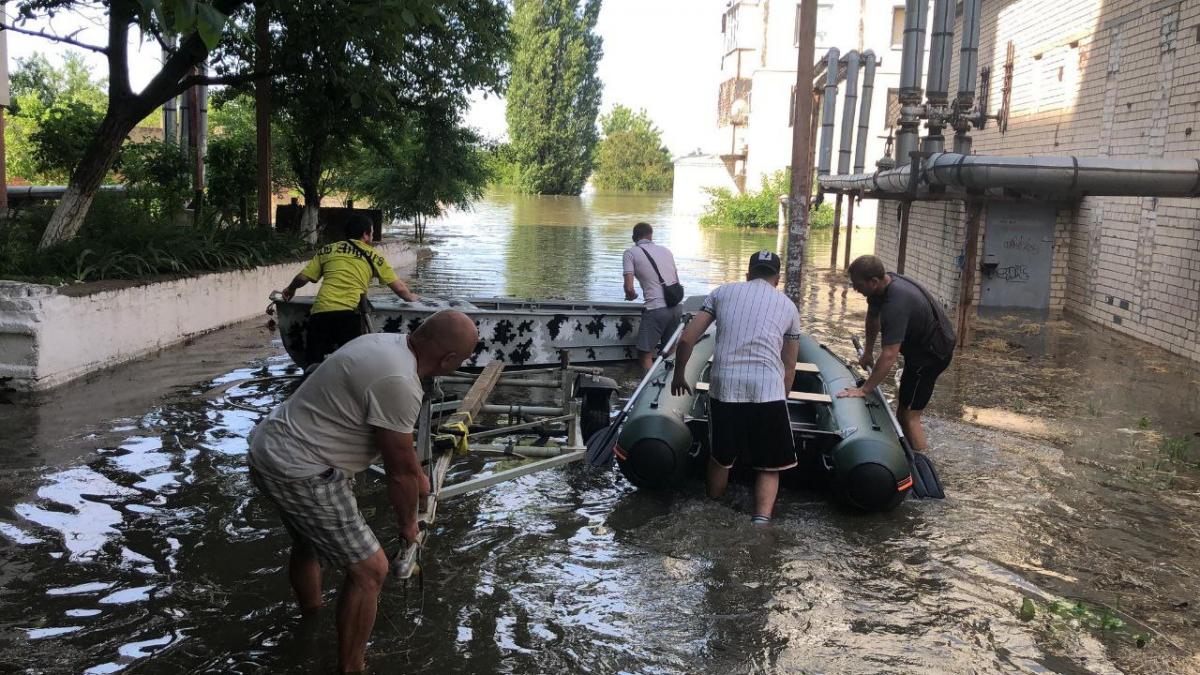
131 539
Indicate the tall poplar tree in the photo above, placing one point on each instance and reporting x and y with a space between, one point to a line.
554 93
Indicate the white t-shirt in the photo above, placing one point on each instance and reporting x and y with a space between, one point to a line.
753 320
635 262
328 422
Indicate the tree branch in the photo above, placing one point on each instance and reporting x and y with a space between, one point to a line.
244 78
55 38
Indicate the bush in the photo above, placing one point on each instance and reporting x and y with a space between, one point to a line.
757 209
232 178
157 176
120 240
753 209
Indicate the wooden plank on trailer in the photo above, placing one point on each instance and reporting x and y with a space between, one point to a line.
807 368
701 386
405 561
809 396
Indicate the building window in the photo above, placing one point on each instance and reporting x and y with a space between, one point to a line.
893 109
897 27
729 26
792 107
824 17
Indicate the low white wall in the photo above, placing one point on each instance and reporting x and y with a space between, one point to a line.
48 338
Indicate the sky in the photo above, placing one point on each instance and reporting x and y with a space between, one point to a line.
661 55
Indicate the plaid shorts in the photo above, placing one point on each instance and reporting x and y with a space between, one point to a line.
321 512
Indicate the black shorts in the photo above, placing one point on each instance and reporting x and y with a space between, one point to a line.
329 330
760 433
916 384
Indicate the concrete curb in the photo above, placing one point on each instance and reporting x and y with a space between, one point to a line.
48 337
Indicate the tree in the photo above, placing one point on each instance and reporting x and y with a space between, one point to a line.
358 69
554 95
420 167
199 25
631 155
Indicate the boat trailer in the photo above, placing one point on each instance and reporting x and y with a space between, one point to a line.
451 429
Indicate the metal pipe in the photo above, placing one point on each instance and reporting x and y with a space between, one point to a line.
864 110
827 113
941 46
545 384
1058 176
849 107
837 227
968 63
916 14
849 228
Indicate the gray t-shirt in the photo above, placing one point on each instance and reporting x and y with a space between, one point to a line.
753 319
328 422
635 262
908 318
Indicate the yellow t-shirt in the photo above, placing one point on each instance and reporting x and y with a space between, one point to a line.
347 268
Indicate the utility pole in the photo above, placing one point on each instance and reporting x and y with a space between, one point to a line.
5 101
801 187
262 110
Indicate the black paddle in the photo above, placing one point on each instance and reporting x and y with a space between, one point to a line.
600 445
926 483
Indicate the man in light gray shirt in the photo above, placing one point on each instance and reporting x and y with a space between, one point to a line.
654 268
359 405
754 363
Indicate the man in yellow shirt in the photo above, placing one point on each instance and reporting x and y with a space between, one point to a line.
347 268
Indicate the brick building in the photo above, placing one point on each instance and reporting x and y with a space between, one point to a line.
1089 78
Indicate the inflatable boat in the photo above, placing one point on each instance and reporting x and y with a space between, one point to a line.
847 444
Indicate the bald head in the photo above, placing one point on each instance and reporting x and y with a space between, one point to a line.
443 341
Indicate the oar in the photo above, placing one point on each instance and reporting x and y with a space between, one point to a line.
926 483
600 444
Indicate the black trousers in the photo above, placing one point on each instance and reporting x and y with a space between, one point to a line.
329 330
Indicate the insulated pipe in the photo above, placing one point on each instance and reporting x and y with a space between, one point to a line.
828 111
915 16
1067 176
849 108
968 61
864 111
941 47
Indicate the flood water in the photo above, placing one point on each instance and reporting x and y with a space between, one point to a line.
132 540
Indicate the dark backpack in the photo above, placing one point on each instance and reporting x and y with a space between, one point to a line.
942 341
672 293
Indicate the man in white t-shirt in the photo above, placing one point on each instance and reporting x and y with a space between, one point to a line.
754 363
360 404
654 267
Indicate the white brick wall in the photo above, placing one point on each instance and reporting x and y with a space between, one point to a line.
1091 77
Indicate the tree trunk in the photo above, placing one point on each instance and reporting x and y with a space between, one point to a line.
310 217
101 153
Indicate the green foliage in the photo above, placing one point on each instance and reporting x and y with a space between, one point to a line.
420 165
62 138
347 87
554 94
157 177
120 240
501 163
758 209
631 155
41 90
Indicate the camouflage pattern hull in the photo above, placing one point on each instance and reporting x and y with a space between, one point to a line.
517 332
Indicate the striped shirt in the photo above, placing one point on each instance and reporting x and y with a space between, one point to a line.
635 262
753 320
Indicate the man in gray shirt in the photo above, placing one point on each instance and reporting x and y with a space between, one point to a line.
912 325
654 268
754 363
359 405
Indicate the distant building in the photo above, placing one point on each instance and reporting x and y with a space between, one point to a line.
753 137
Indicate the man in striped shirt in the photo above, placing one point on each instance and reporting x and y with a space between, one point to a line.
754 362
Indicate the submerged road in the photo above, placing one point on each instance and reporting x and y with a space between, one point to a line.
131 539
